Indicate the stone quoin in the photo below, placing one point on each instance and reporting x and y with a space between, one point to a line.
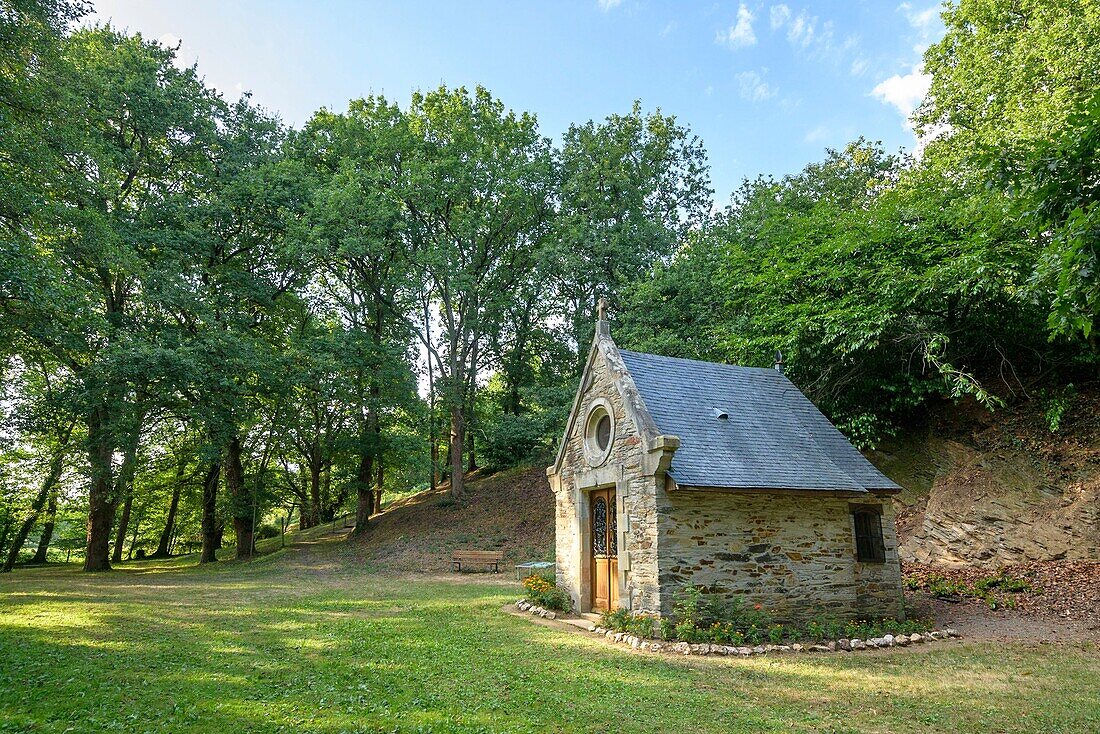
674 472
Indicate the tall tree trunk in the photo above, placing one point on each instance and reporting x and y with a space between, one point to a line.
329 503
4 530
363 490
458 440
47 530
378 486
432 442
314 493
471 454
106 490
211 539
134 535
123 525
170 523
46 491
124 486
101 502
243 500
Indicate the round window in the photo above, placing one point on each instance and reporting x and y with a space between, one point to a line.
598 432
603 432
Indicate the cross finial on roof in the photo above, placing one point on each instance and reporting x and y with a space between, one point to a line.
601 309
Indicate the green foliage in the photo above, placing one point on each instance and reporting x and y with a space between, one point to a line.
542 590
170 256
623 620
990 589
1056 405
695 619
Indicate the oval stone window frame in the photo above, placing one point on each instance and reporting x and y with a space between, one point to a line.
596 453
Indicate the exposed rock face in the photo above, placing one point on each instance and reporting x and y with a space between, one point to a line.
1006 491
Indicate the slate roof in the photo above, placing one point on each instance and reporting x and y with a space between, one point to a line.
774 437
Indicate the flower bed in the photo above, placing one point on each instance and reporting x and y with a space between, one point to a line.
705 648
698 619
543 592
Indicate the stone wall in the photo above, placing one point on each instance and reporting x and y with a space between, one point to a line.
793 553
636 509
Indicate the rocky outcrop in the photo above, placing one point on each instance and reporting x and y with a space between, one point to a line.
1006 490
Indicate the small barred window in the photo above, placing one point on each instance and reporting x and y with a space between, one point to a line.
868 527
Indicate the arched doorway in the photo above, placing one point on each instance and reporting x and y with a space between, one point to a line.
604 550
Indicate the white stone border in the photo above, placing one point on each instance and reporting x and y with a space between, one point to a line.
525 606
684 648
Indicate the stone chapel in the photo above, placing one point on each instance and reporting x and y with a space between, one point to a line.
674 472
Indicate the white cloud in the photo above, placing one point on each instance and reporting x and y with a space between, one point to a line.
740 34
859 66
923 20
669 28
753 87
818 134
800 31
904 92
780 14
608 5
185 55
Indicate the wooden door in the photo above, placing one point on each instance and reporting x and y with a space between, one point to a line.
605 550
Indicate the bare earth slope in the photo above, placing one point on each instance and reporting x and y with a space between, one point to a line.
986 489
512 511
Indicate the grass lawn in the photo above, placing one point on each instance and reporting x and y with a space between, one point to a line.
306 640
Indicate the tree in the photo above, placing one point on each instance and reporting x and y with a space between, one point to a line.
357 214
631 189
242 264
46 426
1006 74
1060 194
476 187
140 130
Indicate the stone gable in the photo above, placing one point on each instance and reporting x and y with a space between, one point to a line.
791 551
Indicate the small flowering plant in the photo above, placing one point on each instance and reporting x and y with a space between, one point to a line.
544 592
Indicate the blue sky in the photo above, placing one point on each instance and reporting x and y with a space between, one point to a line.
766 85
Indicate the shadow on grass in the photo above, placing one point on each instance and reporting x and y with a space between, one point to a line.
309 642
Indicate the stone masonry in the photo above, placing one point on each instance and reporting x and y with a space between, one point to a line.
792 552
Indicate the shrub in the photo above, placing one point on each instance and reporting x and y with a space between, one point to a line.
695 619
621 620
986 588
545 593
267 531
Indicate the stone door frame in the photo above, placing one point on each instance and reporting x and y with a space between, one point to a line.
592 482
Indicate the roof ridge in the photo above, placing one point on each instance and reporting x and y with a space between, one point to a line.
696 361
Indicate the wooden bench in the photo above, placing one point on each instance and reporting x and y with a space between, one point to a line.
484 558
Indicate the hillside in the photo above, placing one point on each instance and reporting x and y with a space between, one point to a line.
990 489
981 489
511 511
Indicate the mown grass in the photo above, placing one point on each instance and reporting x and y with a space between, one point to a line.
306 640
